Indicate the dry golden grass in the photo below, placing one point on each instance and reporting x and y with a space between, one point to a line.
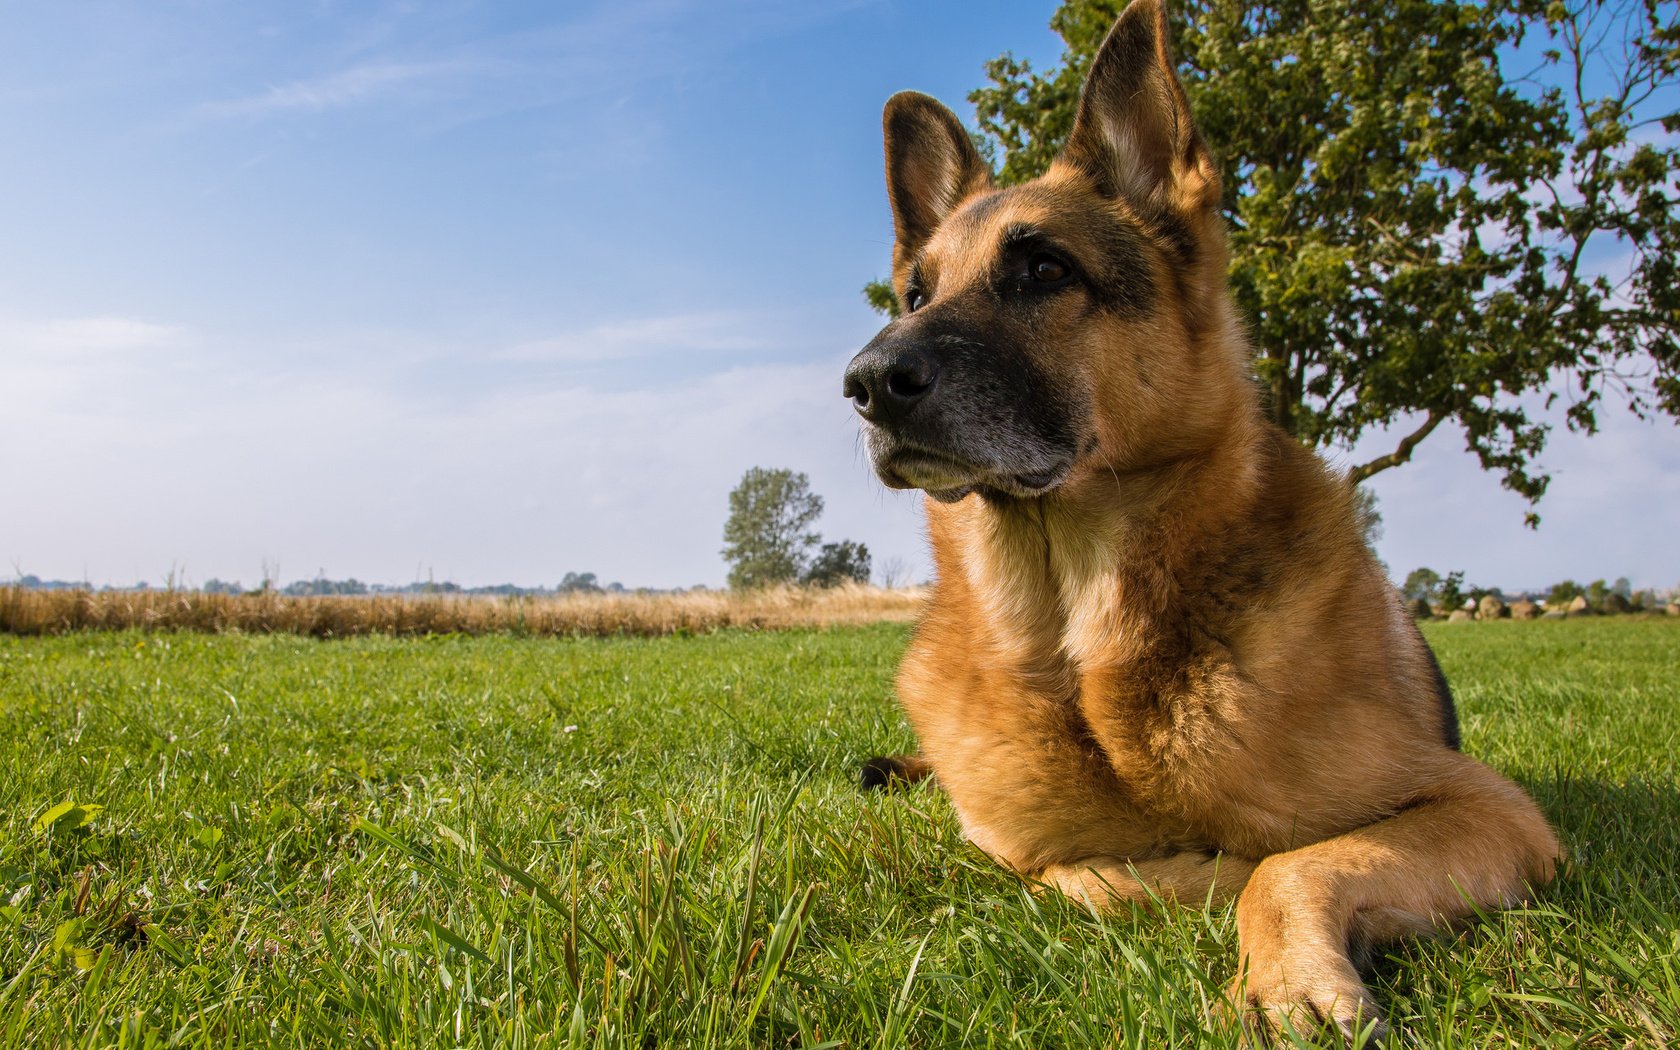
34 612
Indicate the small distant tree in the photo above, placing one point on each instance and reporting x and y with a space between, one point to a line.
1452 591
768 537
894 572
1597 592
579 583
838 563
1422 583
1563 593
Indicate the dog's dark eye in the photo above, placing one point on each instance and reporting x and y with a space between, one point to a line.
1047 269
914 300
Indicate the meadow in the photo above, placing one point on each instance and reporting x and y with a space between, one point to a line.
212 840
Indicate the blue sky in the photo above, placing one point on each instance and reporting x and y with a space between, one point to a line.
494 292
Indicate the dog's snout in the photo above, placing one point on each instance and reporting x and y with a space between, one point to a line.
884 383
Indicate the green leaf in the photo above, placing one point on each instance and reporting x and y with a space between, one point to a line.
67 817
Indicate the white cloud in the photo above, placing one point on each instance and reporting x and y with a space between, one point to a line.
347 87
80 365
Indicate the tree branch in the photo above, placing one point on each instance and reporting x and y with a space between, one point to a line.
1401 453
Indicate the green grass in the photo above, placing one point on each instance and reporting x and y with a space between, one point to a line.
498 841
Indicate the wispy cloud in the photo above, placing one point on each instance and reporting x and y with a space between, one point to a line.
70 368
347 87
86 335
717 331
597 50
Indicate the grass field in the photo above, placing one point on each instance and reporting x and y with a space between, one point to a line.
215 840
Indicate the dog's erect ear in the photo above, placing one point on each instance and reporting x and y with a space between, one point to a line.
1133 132
932 166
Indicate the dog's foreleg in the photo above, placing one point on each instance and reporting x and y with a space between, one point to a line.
1189 879
1475 841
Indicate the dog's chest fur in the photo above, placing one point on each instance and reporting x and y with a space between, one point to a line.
1097 678
1049 613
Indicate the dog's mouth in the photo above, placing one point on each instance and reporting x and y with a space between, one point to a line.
947 478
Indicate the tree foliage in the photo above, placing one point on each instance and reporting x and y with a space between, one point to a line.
1440 212
768 536
322 586
1444 592
1563 593
1368 514
1422 583
1453 593
837 563
579 583
881 297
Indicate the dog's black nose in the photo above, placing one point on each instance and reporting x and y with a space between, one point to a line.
885 382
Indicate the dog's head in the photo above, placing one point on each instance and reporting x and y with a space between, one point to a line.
1063 325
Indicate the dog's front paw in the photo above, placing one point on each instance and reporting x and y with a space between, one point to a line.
888 771
1307 997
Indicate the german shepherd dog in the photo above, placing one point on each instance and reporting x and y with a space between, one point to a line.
1159 660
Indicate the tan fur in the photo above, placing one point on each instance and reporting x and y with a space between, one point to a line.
1181 673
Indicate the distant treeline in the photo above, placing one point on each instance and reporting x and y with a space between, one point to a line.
320 587
1450 592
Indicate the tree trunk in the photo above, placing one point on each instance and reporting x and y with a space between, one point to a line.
1282 393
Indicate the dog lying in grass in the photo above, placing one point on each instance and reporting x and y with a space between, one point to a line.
1159 659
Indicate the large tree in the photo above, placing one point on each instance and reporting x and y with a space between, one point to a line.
768 537
1440 213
